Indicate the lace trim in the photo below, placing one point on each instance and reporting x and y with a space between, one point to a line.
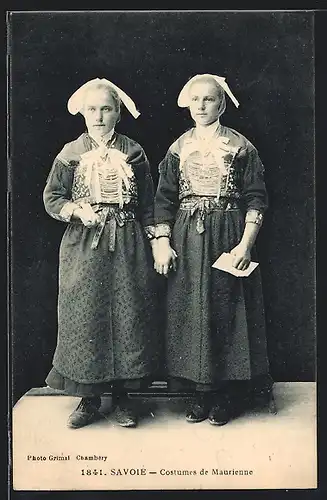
163 229
66 212
254 216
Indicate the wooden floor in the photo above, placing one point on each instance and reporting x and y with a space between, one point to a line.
256 450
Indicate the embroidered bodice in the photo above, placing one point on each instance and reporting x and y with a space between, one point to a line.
103 176
206 168
221 172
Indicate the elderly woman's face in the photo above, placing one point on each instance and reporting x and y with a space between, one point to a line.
204 102
100 112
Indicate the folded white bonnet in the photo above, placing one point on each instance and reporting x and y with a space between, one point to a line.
183 100
75 102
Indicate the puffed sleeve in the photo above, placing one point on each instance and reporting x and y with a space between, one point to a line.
57 192
166 198
254 188
144 179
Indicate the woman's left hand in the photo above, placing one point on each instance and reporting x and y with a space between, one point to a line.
241 257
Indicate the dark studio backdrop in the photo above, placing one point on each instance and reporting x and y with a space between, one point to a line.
268 61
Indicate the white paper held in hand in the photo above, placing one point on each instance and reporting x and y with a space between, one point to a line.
224 263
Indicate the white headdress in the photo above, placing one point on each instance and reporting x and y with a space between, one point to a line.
183 100
76 101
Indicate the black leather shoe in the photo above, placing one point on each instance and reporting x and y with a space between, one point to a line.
125 415
264 398
220 413
85 413
197 412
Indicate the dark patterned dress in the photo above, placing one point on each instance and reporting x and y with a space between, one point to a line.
215 328
106 298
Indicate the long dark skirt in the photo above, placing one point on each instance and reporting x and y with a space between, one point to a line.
106 310
216 325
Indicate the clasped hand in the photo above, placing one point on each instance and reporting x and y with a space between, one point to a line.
164 256
87 215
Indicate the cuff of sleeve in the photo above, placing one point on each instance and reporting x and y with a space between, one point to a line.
163 230
254 216
67 210
150 232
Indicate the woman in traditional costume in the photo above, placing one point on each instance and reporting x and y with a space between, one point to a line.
211 199
101 187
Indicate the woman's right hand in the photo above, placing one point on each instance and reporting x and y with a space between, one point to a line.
164 256
86 214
